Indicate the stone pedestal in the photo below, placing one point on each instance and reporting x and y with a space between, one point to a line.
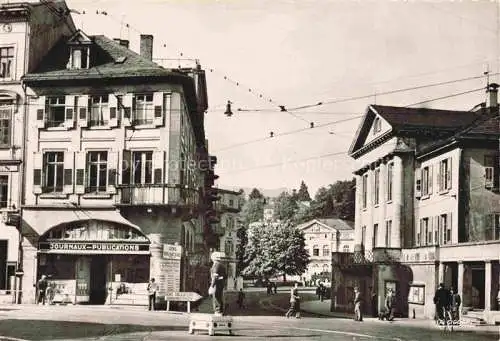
211 323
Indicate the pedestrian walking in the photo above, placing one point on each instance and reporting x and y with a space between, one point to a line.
275 288
294 302
389 306
358 312
456 301
41 289
152 289
241 298
441 300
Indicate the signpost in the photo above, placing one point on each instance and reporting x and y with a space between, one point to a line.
170 269
182 297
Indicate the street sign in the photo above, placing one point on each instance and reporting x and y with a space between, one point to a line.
172 251
183 296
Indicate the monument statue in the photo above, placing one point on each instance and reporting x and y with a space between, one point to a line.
218 275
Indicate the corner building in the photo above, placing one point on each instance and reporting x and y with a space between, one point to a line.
112 183
427 203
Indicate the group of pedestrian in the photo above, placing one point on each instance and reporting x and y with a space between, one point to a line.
321 291
272 288
387 312
447 300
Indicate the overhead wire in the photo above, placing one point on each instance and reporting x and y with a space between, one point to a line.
336 153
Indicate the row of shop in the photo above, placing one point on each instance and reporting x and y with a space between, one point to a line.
100 257
415 283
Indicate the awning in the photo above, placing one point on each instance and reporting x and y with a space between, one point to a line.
41 221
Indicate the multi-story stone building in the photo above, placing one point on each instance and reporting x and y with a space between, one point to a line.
427 206
228 208
322 238
28 29
113 180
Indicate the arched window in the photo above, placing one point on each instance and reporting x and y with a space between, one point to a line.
315 250
326 251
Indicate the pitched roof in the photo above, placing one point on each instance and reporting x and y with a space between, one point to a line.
417 120
105 62
337 224
403 117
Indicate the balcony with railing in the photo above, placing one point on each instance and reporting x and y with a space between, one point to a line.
153 194
367 257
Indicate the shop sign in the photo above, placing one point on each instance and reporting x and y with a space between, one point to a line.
113 247
172 251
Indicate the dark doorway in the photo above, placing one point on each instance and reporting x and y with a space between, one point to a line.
98 280
478 280
3 265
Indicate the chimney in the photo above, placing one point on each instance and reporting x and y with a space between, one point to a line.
493 90
122 42
146 49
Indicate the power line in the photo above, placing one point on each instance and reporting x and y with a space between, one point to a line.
390 92
286 133
283 163
445 97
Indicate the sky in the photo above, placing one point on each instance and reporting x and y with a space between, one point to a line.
261 55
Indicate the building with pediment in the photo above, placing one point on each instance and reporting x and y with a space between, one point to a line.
116 168
322 238
427 207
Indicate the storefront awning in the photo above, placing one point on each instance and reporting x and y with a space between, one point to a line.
41 221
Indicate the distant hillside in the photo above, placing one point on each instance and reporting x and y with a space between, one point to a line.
274 192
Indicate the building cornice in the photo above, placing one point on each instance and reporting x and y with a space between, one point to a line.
373 144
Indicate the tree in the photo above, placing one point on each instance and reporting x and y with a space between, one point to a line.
256 194
285 206
252 211
241 233
303 194
275 250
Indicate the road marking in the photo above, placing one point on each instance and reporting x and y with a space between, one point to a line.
348 333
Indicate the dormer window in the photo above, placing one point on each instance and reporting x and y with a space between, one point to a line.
79 58
79 51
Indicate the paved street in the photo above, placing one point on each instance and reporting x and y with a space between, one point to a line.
125 323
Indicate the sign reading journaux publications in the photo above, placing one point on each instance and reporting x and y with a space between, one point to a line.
62 247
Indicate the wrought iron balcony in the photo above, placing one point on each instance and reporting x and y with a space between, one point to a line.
156 194
375 256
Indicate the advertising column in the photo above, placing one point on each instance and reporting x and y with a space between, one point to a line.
169 280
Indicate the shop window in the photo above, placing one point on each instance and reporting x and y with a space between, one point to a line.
53 172
97 168
417 294
99 111
56 111
143 109
5 125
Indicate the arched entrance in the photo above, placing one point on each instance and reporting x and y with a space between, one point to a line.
88 260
